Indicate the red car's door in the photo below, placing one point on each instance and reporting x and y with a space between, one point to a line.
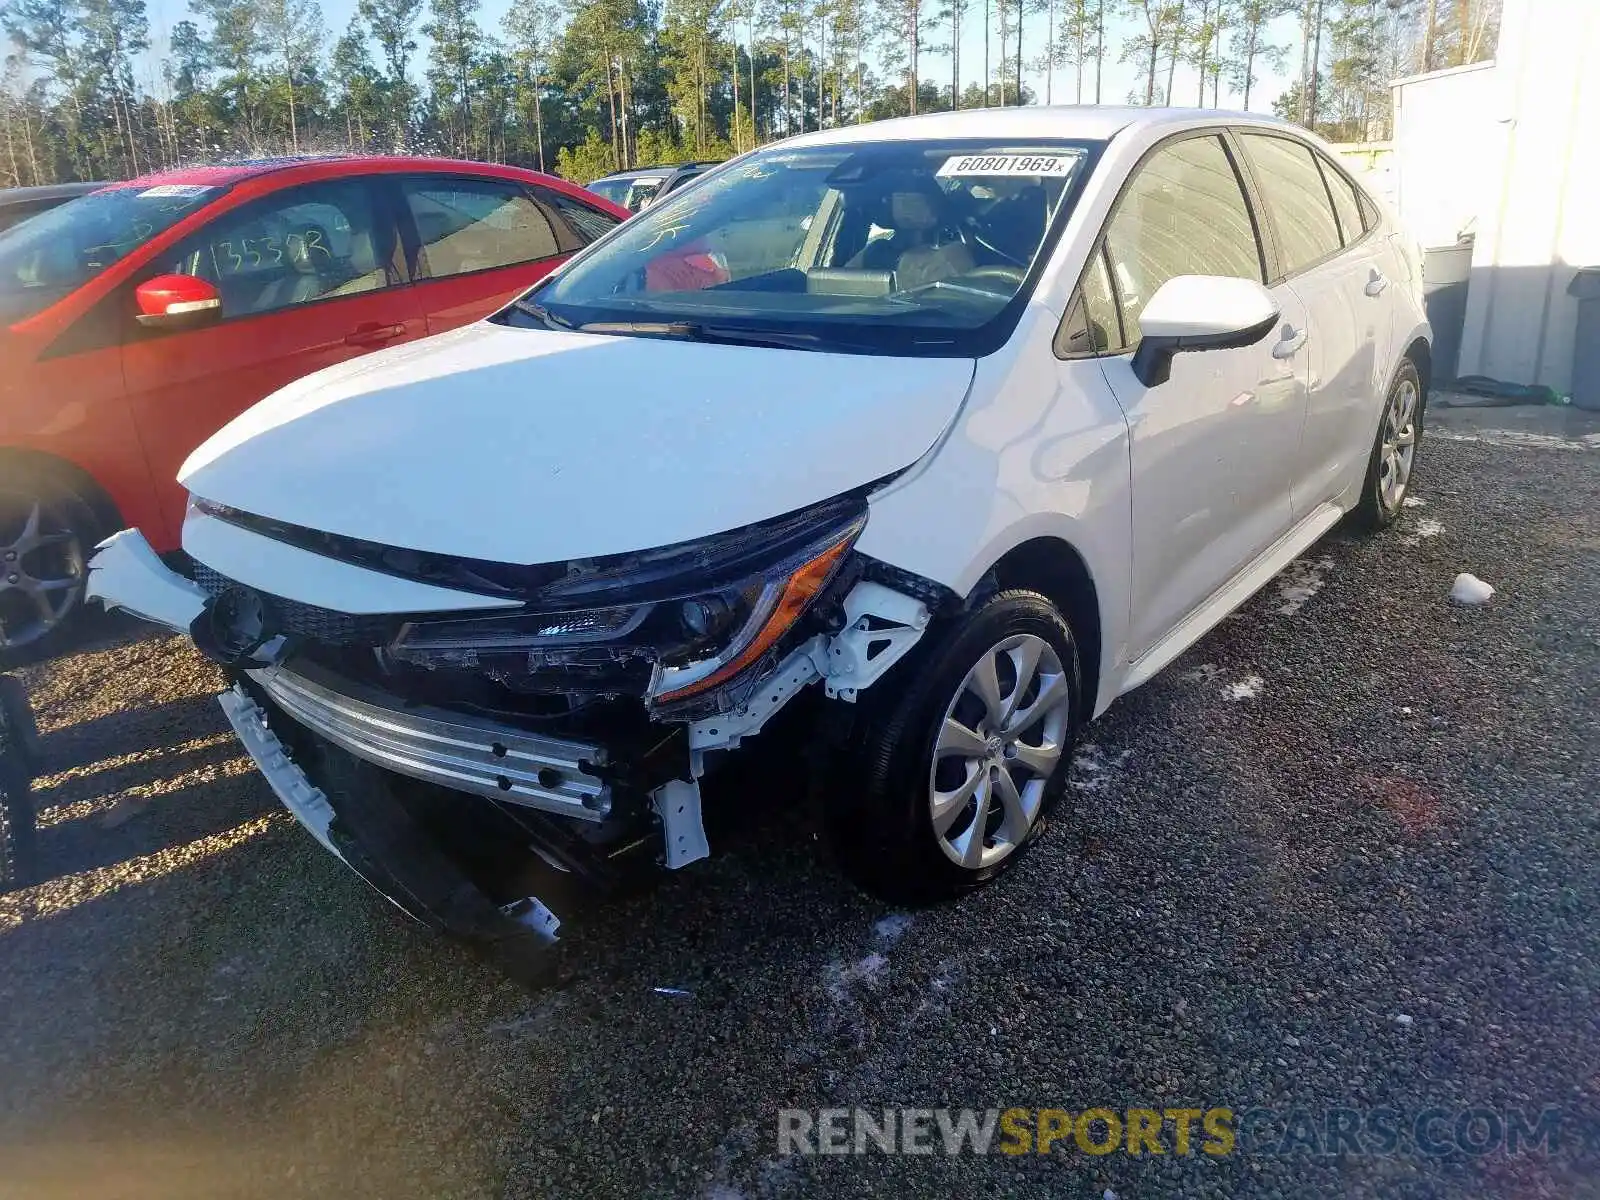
309 276
474 243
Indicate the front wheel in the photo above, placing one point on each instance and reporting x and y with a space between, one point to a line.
962 752
46 534
1394 452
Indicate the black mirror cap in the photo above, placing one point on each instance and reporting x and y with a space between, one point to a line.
1152 359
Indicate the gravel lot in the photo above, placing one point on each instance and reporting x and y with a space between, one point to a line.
1341 855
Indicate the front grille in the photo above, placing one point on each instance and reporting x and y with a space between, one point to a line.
307 620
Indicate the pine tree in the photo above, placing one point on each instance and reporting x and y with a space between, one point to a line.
1251 50
392 23
233 47
532 28
293 31
453 28
360 85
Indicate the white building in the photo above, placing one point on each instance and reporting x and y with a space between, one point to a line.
1509 150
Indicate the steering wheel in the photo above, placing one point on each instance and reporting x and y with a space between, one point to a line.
970 236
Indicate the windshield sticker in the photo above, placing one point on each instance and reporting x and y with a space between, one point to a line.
1046 166
173 191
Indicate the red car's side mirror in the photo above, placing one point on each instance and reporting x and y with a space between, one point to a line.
177 302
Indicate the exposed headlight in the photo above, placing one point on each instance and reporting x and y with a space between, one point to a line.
663 626
782 599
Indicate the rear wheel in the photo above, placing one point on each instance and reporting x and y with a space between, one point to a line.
1394 452
963 751
46 534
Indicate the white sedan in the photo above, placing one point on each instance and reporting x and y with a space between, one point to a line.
968 422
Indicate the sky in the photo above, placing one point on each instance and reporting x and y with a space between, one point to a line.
1119 83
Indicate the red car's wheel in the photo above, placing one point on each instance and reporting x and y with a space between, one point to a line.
46 535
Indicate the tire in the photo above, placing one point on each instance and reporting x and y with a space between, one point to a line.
47 532
17 858
880 800
1381 501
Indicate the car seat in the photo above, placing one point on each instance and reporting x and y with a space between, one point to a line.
918 251
308 255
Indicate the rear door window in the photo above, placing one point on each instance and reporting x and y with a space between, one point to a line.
469 225
583 222
1295 195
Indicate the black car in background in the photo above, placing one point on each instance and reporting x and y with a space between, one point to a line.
18 204
638 189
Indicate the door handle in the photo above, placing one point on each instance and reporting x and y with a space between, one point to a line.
373 333
1376 282
1291 339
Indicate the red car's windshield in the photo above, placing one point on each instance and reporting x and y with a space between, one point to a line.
50 255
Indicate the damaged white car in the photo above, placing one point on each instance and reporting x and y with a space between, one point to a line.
971 422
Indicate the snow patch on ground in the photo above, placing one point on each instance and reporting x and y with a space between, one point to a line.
1248 688
892 928
1301 580
1469 589
842 979
1520 438
1094 770
1426 528
1413 502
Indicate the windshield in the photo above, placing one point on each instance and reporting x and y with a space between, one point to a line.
610 189
906 247
643 192
54 253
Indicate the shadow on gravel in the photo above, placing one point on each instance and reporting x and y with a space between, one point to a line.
80 747
89 630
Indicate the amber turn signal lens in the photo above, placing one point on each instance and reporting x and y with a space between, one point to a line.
799 591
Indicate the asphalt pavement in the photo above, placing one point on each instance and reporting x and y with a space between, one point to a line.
1337 864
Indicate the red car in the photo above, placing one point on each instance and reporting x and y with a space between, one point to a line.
140 318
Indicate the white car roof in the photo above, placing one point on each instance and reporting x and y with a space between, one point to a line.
1093 122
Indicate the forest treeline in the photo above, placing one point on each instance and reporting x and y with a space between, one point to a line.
583 87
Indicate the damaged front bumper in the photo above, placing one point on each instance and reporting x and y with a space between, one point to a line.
386 777
453 750
466 753
422 882
126 573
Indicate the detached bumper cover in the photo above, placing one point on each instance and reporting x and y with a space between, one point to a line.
289 783
373 836
126 573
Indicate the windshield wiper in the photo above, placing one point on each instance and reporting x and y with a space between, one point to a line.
692 331
540 313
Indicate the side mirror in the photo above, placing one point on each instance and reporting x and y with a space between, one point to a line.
177 302
1200 312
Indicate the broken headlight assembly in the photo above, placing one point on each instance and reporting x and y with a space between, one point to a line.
669 625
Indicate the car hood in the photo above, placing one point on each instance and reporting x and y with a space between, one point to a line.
527 446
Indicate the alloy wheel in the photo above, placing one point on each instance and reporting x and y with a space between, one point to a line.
1399 444
41 571
1001 739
